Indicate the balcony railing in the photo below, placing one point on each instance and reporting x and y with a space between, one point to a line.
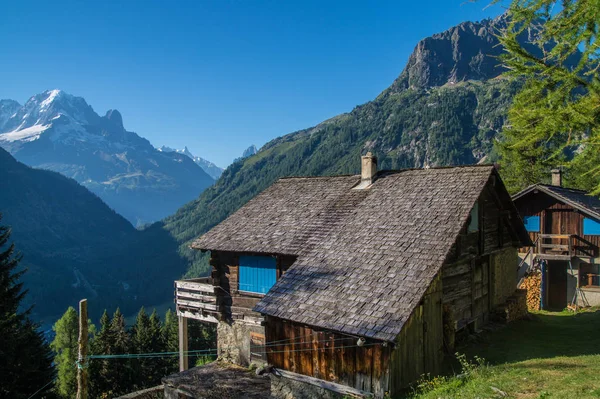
564 246
197 299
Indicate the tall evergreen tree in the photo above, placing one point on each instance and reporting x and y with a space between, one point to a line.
142 342
25 357
100 368
170 337
555 119
157 366
120 375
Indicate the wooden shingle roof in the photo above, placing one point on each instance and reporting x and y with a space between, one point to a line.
365 257
579 199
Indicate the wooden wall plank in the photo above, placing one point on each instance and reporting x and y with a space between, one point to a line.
315 355
327 355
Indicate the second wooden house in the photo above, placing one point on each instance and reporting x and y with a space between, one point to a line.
564 224
346 283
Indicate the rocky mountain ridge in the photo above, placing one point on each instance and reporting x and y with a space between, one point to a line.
210 168
446 107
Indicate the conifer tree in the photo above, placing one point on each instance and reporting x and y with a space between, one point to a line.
65 347
119 376
157 365
100 368
25 357
141 340
555 119
170 337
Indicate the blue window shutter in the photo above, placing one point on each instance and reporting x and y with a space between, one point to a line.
532 223
257 273
591 227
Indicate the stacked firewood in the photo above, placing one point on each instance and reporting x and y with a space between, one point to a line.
515 308
533 284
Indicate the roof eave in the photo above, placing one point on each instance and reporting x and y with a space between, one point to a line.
557 196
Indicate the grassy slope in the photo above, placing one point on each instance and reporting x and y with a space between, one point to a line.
553 355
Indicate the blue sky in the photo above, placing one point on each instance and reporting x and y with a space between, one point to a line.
217 75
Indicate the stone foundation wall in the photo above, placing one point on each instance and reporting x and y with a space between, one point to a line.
503 266
233 342
174 393
285 388
150 393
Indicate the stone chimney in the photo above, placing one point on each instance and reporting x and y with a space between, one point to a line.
557 177
368 170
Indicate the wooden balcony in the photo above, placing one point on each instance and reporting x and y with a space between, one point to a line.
197 299
564 247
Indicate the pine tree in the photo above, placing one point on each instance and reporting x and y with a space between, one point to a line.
25 357
170 337
142 340
120 375
555 119
157 365
100 368
65 347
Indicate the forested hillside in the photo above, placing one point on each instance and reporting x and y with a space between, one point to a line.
75 246
446 108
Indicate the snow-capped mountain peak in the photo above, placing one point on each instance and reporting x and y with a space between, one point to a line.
58 131
42 111
51 96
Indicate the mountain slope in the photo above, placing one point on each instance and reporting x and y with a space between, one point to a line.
210 168
444 118
77 247
61 132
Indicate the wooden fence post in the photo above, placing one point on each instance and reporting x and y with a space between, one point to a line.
82 387
183 344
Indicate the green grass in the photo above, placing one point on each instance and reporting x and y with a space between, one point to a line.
553 355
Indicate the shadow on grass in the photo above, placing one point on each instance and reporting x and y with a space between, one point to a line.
544 335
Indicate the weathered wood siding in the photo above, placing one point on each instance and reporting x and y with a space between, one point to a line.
327 355
419 347
557 218
225 272
240 334
373 367
469 280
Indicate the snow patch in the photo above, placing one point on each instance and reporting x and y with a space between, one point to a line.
51 96
29 134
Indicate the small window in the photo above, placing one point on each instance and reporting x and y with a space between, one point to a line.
532 223
474 219
591 227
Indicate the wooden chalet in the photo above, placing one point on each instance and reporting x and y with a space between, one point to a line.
564 225
345 283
